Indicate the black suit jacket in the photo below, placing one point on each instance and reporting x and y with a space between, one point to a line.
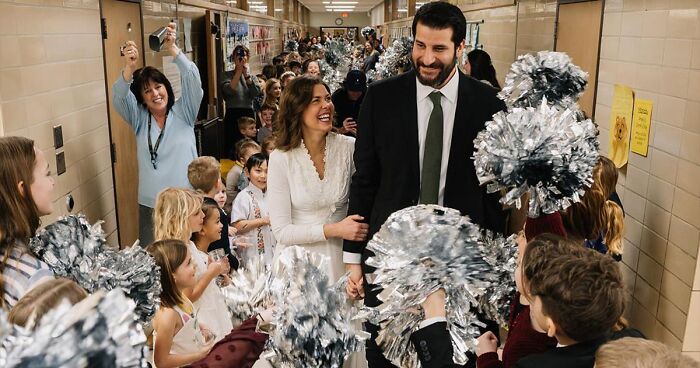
387 176
434 349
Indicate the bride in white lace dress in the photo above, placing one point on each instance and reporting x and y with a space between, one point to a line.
309 178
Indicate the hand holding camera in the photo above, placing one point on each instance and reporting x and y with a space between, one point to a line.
130 53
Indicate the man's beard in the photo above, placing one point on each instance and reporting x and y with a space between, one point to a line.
445 70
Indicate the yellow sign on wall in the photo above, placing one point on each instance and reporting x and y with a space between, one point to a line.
640 128
620 121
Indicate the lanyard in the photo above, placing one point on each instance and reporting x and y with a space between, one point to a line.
154 150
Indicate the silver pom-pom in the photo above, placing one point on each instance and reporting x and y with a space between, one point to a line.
76 250
100 331
542 151
366 31
291 45
546 75
419 250
248 293
312 323
394 61
502 255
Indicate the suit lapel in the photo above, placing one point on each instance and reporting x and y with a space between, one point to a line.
410 122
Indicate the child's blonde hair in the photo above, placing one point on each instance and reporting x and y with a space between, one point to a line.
209 209
171 215
43 298
634 352
596 214
245 121
204 173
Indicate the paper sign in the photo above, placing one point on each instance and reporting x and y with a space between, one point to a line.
640 127
620 121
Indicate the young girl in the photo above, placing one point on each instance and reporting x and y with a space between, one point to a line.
249 214
597 221
26 194
244 149
178 214
179 337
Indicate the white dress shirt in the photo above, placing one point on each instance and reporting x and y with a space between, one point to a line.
448 100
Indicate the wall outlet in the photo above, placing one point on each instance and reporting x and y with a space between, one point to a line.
60 163
57 137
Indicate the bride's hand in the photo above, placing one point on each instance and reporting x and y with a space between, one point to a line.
350 228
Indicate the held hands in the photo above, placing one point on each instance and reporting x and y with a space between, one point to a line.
354 287
486 343
350 228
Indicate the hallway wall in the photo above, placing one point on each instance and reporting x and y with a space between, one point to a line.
51 72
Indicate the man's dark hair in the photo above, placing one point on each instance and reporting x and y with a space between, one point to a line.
442 15
277 60
294 64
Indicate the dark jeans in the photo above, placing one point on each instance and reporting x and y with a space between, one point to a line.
231 132
146 232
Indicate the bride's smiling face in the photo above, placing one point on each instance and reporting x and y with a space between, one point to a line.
318 115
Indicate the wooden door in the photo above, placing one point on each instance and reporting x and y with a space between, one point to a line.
578 34
122 22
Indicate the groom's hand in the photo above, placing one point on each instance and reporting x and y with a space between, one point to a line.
354 287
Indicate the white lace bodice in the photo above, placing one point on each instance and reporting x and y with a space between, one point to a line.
300 203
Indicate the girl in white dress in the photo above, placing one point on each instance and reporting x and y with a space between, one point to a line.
309 177
180 337
177 215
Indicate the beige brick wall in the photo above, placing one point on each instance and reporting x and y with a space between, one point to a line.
653 46
51 72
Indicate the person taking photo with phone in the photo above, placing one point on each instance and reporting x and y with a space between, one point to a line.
239 88
347 101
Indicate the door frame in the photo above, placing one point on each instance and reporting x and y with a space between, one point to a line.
108 85
600 39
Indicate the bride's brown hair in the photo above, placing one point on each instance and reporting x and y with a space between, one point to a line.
296 97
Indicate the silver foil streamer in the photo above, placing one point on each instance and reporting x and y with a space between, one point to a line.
366 31
336 62
547 74
421 249
395 59
100 331
313 322
248 293
76 250
543 151
291 45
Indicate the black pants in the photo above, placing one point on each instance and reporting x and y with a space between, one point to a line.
231 132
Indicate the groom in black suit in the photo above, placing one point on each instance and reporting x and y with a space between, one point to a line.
415 142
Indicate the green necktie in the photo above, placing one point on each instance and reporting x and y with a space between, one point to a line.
432 154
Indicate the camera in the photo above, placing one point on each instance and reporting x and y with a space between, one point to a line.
240 53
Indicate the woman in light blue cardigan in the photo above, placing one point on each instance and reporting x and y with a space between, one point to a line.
164 128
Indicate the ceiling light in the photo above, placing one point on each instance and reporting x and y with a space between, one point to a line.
344 2
402 10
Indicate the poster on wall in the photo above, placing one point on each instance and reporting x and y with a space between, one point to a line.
620 122
236 34
640 128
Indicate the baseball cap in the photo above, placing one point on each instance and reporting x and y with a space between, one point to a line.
355 81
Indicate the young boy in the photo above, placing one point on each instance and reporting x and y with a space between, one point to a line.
204 175
267 114
246 125
576 295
